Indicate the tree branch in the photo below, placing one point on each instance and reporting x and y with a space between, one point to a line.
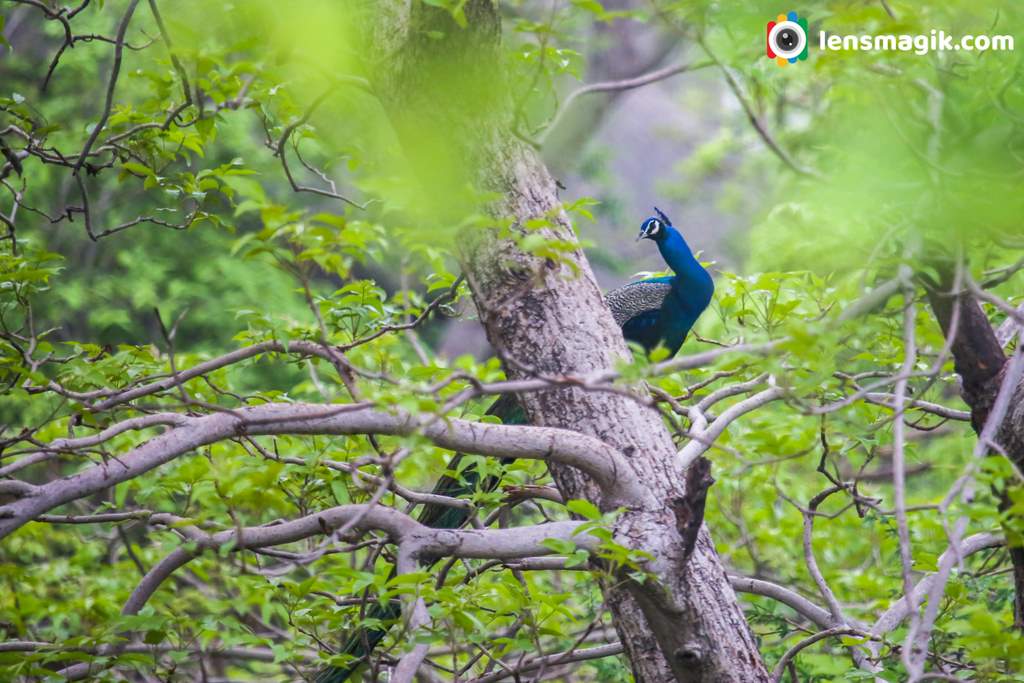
590 455
620 85
793 600
704 438
416 541
780 668
898 609
115 70
536 663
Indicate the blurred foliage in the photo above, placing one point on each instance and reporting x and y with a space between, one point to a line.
899 154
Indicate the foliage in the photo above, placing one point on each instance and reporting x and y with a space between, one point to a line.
246 188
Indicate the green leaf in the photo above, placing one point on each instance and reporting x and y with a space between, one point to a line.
154 637
584 508
559 546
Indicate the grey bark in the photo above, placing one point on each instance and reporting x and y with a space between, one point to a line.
590 455
691 627
547 317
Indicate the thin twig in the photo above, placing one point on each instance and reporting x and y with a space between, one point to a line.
898 458
759 126
115 70
624 84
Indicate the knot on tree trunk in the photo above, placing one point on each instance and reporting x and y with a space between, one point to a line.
689 508
690 655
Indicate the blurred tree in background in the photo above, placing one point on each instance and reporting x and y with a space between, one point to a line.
212 210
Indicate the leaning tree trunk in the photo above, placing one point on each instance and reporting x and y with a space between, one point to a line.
982 366
441 87
690 628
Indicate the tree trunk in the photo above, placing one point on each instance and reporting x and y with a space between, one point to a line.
549 317
981 364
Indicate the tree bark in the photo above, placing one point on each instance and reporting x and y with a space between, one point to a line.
979 360
549 317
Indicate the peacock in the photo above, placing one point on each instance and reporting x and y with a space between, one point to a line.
651 312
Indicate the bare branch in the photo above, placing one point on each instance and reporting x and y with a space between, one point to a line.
704 438
780 668
536 663
115 70
898 610
605 464
834 608
121 396
416 541
795 601
100 518
619 85
888 400
59 446
280 146
250 653
898 464
759 126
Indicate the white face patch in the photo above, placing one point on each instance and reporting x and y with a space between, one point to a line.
655 228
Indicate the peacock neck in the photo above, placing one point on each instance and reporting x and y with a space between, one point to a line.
679 258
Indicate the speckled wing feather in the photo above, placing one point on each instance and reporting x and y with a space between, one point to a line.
636 298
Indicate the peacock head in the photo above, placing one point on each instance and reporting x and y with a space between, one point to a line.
655 227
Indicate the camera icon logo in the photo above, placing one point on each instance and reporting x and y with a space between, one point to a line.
786 39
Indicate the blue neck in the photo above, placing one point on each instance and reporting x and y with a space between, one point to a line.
679 258
691 291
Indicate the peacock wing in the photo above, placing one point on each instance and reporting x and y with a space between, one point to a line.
636 308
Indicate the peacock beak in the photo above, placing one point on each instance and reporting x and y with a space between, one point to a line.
640 236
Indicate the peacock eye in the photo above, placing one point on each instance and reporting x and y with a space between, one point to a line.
655 227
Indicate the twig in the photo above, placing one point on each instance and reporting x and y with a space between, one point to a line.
624 84
703 438
175 62
888 400
281 152
898 459
834 608
529 665
115 70
756 121
780 668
